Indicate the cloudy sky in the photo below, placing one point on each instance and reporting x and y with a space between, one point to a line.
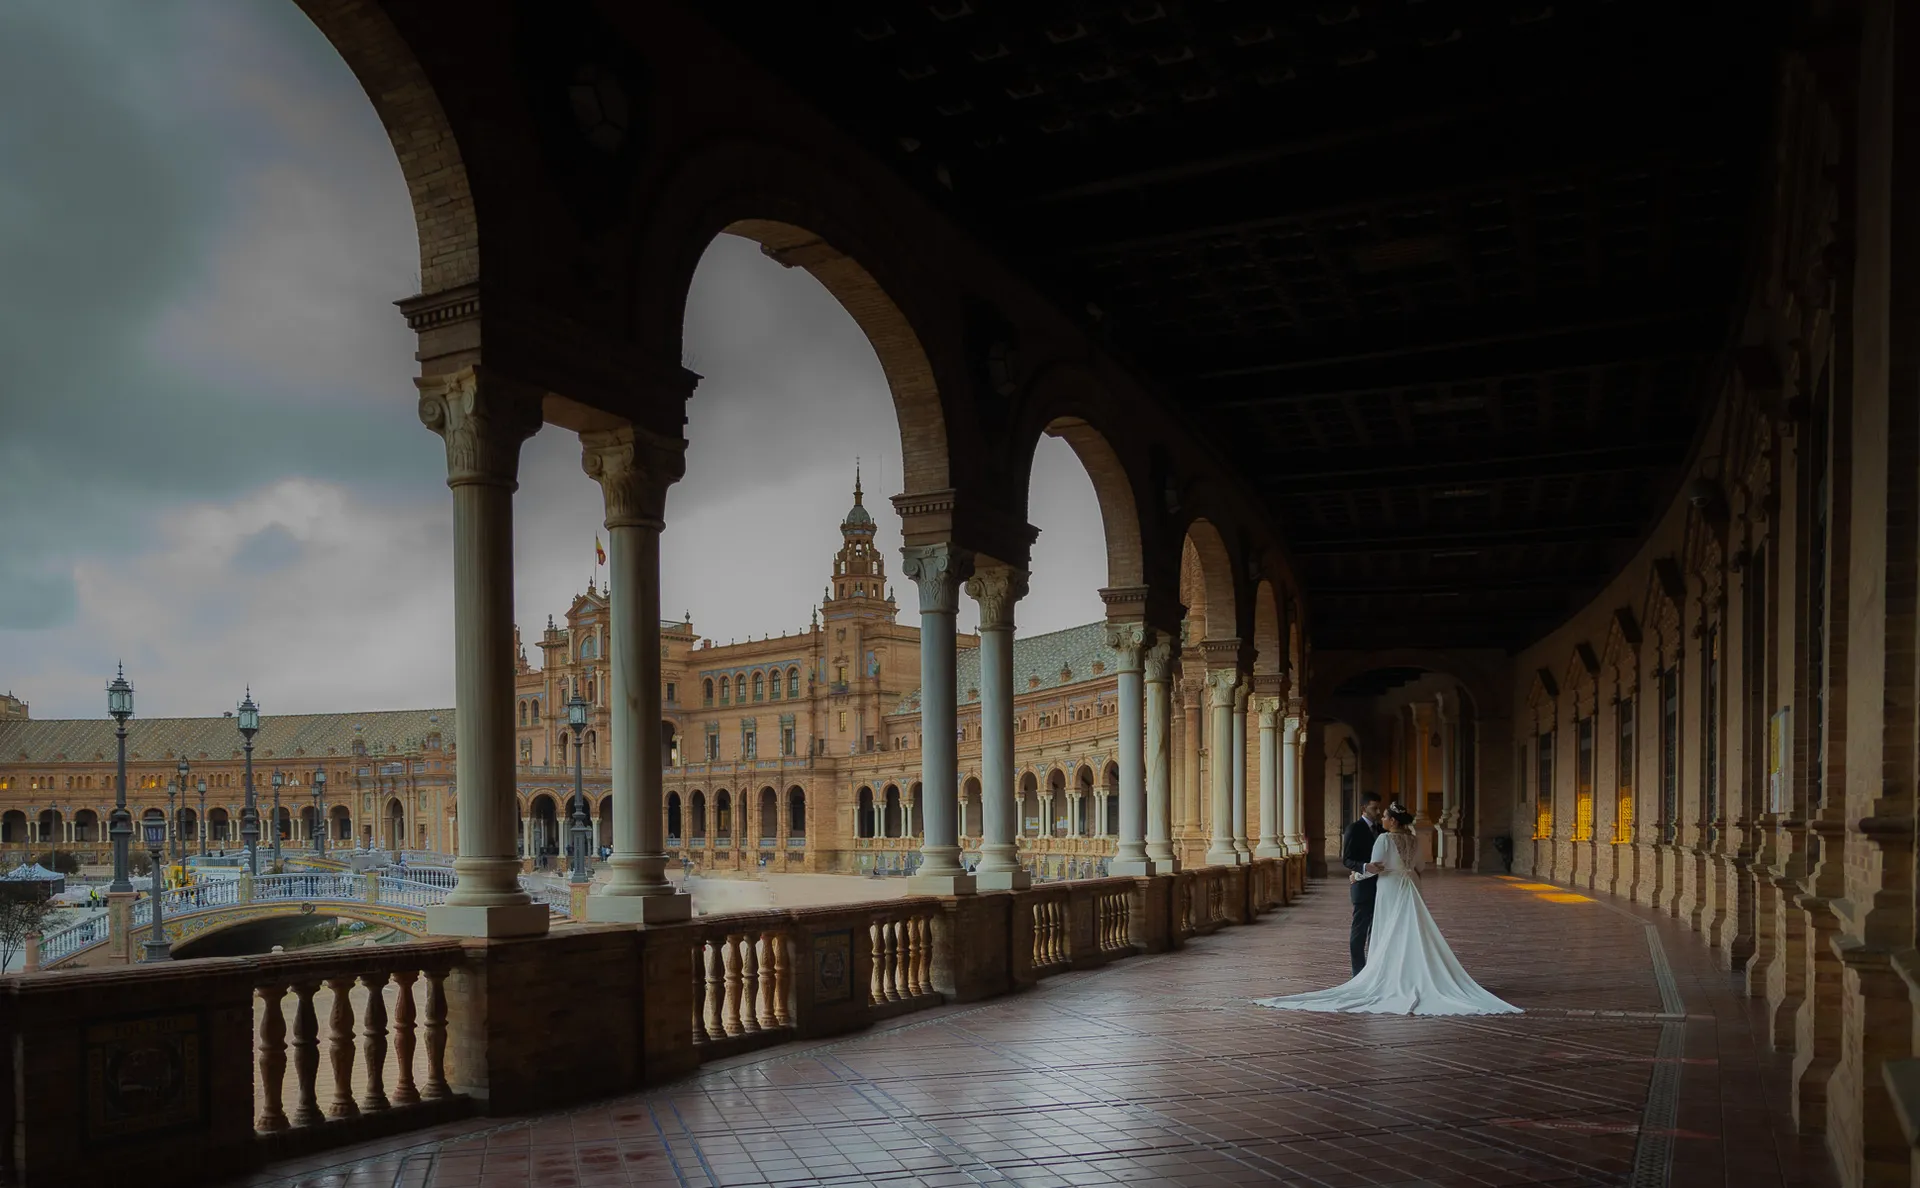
210 463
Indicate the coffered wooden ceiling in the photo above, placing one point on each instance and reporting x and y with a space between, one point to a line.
1448 280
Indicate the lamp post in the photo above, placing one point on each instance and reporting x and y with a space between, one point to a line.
158 949
320 811
200 822
577 720
250 815
120 821
179 843
278 781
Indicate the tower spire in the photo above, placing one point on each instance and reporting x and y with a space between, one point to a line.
856 480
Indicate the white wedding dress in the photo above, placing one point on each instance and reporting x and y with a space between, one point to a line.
1410 970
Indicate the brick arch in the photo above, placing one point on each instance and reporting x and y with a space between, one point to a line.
1207 562
423 139
1484 684
1069 402
1269 645
804 215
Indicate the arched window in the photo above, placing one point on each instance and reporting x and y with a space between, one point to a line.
706 695
793 682
523 713
864 813
590 697
726 689
536 713
722 815
759 687
796 814
673 818
773 685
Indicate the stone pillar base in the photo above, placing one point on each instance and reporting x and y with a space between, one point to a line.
941 884
492 922
1002 880
639 909
1222 857
1136 867
1270 850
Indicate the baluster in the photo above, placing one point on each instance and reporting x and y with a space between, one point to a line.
782 978
922 929
270 1057
699 1028
436 1030
768 985
403 1038
713 993
340 1051
909 958
749 983
305 1046
1039 954
373 1033
1057 933
878 990
896 957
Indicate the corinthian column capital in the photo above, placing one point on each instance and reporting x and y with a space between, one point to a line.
1269 710
1158 659
1241 693
1221 683
634 469
996 588
483 419
1129 639
938 570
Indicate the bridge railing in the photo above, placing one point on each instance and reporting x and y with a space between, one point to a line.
398 892
557 896
427 858
55 946
439 876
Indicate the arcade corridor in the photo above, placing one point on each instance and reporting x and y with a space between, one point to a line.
1158 1071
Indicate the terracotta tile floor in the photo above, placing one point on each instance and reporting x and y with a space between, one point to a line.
1158 1071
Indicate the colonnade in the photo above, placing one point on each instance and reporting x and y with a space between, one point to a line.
484 420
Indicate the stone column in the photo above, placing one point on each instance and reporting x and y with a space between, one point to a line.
996 589
1128 640
483 420
1158 663
1446 842
1293 816
1272 764
1194 718
1240 845
938 570
634 469
1221 683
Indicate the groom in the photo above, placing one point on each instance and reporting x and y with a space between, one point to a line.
1356 854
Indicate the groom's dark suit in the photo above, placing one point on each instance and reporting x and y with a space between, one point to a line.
1356 850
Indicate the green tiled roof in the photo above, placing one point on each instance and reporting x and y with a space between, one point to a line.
1056 658
308 736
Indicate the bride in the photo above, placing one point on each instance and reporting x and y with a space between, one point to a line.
1410 970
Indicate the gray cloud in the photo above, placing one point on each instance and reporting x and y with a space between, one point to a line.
206 413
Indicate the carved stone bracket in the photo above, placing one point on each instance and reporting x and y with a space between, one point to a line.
1221 683
483 419
996 588
634 468
938 570
1159 659
1268 707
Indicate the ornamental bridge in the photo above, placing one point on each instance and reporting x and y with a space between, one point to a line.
393 897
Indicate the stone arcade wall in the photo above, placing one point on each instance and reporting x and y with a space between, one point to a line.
1765 634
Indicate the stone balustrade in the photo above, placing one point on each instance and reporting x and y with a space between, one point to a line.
238 1061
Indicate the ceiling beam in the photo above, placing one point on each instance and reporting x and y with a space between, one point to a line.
1445 356
1495 462
1464 584
1489 538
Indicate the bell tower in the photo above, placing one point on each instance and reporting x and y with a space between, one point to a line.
858 584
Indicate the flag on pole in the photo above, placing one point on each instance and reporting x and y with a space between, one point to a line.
599 554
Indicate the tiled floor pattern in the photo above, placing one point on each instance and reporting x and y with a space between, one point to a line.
1159 1071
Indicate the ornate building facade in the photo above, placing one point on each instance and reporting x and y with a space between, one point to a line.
792 752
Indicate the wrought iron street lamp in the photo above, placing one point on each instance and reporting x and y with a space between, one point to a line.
278 781
179 846
158 948
577 720
320 811
120 821
200 822
250 815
